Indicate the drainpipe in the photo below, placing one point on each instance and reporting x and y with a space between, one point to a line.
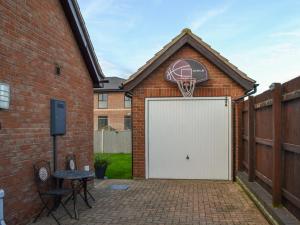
2 222
234 101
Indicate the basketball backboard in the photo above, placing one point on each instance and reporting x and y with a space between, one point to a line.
186 69
187 73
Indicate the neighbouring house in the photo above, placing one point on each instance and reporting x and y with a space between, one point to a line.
45 53
180 137
112 108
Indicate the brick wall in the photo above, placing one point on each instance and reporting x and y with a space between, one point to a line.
34 36
115 110
155 85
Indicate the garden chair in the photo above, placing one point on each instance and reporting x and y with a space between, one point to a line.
47 190
71 164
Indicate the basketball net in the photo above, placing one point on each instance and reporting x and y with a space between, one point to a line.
186 86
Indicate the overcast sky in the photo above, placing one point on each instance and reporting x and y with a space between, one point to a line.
260 37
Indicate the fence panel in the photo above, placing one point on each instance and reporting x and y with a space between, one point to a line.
106 141
264 139
291 145
276 144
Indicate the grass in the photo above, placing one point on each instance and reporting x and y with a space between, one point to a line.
120 165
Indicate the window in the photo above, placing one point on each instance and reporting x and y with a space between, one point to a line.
102 101
127 102
127 122
102 122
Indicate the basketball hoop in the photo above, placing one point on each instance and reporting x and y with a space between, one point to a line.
186 73
186 86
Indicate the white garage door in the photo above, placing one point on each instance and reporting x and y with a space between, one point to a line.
188 138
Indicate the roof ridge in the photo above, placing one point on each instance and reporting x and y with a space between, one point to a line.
187 31
244 75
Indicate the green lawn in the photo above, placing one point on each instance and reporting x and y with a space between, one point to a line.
119 167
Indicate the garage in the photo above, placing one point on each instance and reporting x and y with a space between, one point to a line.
188 138
182 110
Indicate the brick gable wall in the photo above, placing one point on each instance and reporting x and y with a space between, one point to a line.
219 84
34 36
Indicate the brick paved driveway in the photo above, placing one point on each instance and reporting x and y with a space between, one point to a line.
168 202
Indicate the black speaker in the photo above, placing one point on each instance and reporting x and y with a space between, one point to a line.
58 117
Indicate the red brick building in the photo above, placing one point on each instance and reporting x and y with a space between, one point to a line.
152 126
45 53
112 108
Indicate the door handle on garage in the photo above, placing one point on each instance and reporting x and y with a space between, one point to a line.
187 157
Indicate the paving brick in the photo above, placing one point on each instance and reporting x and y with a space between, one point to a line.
168 202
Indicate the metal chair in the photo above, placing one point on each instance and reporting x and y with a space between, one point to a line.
72 165
71 162
47 191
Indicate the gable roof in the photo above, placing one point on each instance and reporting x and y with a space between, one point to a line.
187 37
79 29
113 85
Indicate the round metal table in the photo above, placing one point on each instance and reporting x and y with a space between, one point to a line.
75 175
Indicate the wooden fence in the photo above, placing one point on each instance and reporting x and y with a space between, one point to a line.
270 143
